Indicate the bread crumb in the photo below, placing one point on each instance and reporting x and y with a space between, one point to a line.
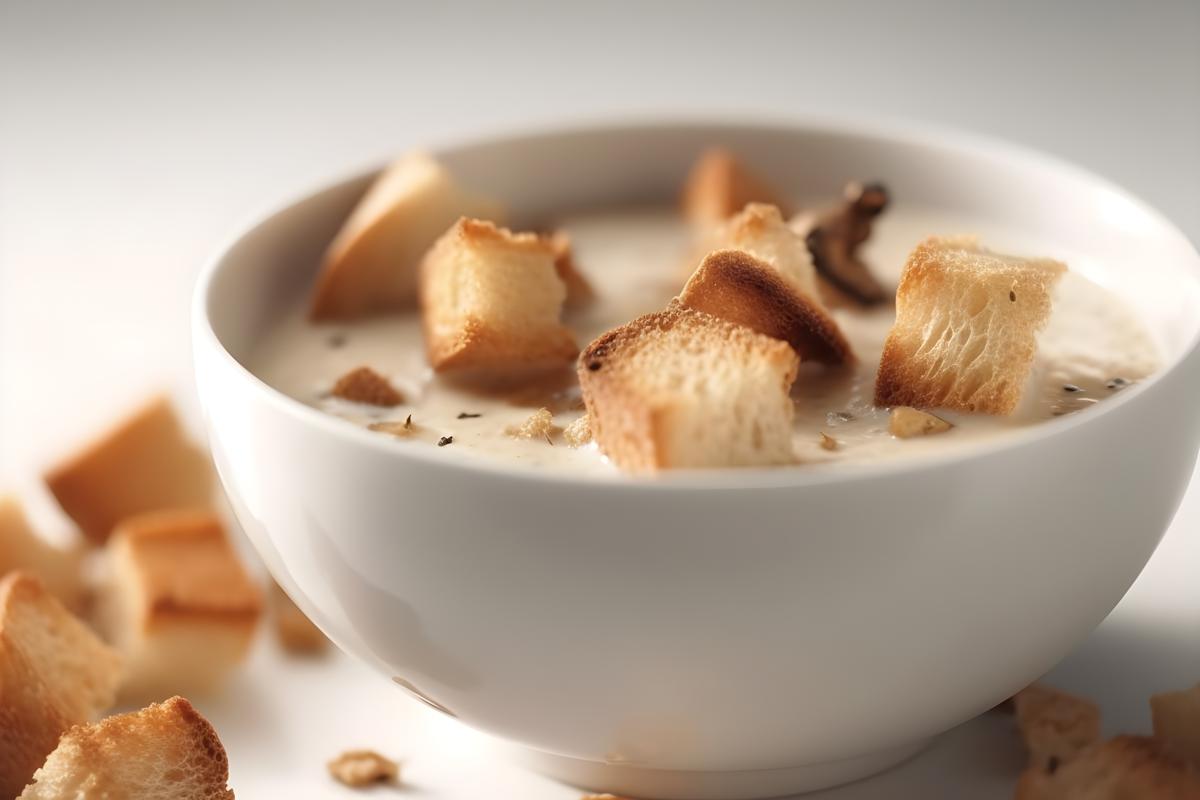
1177 722
907 422
364 767
579 432
394 427
539 426
1055 725
365 385
828 442
295 631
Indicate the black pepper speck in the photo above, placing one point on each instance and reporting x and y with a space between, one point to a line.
1072 388
445 440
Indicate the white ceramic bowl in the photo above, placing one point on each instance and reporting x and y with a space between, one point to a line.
732 634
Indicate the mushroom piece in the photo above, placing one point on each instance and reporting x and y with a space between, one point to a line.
833 241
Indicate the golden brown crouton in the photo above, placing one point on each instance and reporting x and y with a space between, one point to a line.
966 326
371 266
680 388
145 463
1123 768
1177 722
167 751
1055 725
740 288
365 385
295 631
60 568
720 185
178 604
491 300
579 291
54 673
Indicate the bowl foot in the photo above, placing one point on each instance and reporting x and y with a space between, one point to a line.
656 784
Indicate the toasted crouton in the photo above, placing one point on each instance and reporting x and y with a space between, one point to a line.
680 388
371 265
145 463
1055 725
491 300
1123 768
177 603
295 631
54 673
740 288
166 751
966 327
720 185
365 385
579 291
1177 722
60 568
760 230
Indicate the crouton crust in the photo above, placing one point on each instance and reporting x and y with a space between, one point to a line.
740 288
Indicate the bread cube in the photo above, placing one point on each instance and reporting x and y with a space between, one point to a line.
59 568
966 327
166 751
1177 722
54 673
491 301
177 603
1122 768
144 463
371 265
738 287
719 185
683 389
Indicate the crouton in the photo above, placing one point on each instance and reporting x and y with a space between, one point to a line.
1123 768
491 301
54 673
371 265
295 631
166 751
906 422
720 185
966 327
365 385
760 230
740 288
834 237
1177 722
680 388
579 292
359 768
177 603
59 568
145 463
1056 726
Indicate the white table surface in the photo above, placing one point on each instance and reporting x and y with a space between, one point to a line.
136 137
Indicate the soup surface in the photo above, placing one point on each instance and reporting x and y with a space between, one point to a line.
637 260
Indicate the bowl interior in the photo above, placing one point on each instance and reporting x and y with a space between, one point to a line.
1124 245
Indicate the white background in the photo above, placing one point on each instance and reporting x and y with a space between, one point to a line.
136 137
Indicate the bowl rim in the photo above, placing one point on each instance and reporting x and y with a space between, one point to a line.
963 143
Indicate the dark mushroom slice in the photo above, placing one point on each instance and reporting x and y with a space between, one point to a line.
835 238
